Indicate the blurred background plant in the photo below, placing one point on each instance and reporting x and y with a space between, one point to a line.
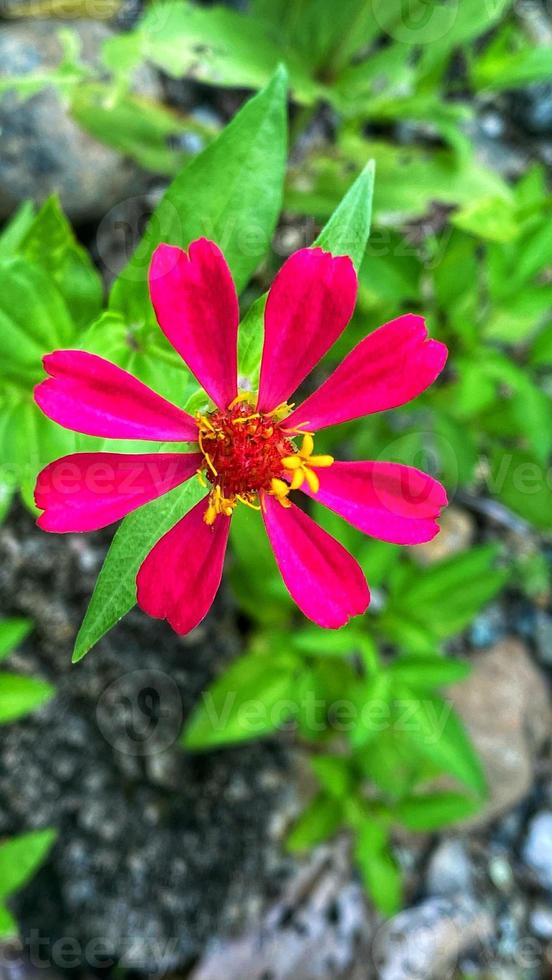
453 103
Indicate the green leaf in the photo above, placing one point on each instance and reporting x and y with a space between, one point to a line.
489 217
346 233
20 857
15 229
115 591
380 872
333 774
51 244
348 229
438 734
428 672
216 46
435 810
230 193
318 822
34 319
253 698
445 597
146 131
525 67
372 703
12 633
20 695
8 925
521 482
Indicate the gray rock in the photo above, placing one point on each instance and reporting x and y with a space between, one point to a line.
314 932
543 636
449 870
505 706
426 941
541 921
42 149
537 848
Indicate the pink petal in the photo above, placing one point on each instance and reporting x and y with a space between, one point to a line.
86 491
180 577
386 500
309 305
388 368
325 581
196 306
88 394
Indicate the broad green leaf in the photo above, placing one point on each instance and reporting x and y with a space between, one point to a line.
20 695
20 857
346 233
8 925
320 821
50 243
34 319
489 217
435 810
253 698
15 229
28 440
216 46
115 591
12 633
230 193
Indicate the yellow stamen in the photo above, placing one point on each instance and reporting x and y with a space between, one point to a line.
301 468
245 418
248 503
321 461
218 504
292 462
244 396
282 410
280 490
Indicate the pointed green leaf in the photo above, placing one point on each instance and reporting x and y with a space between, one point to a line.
12 633
230 193
346 233
20 695
253 698
435 810
115 591
20 857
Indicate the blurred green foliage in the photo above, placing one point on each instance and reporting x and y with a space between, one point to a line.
451 239
18 695
20 858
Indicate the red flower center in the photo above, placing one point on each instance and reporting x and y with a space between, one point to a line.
243 449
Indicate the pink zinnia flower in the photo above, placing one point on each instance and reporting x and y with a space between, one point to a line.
251 449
